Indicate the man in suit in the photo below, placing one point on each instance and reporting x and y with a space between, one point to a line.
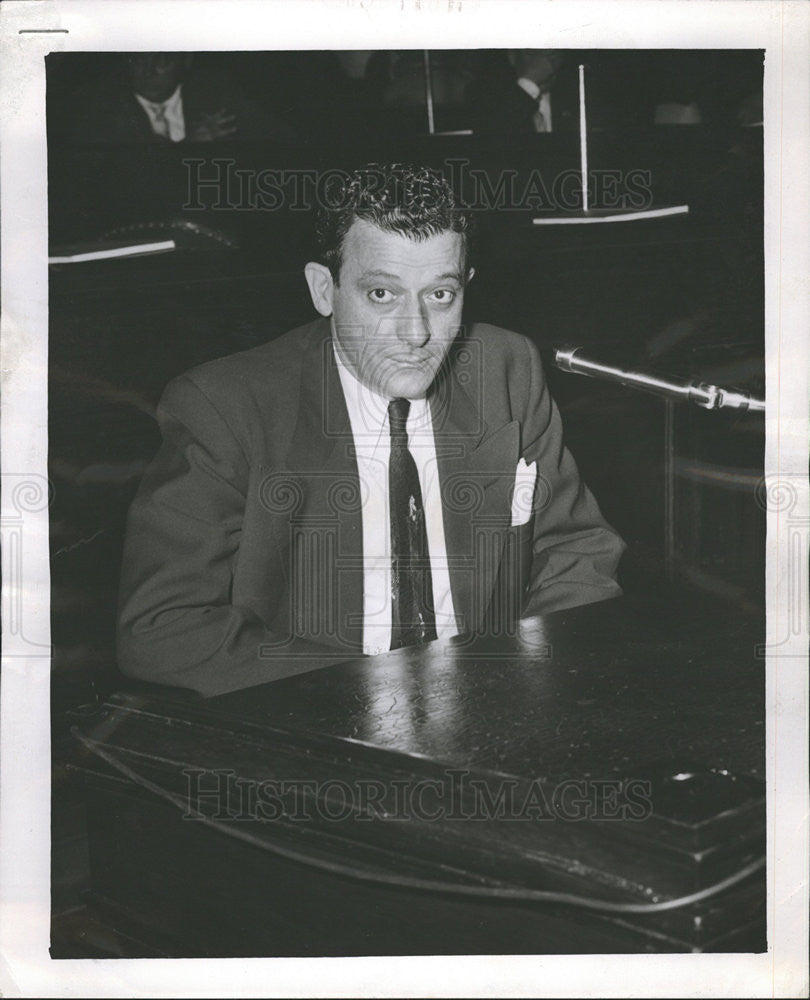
169 97
348 488
517 92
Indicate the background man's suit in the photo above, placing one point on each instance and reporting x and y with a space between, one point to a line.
108 111
243 561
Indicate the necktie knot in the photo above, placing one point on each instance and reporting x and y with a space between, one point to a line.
398 410
160 125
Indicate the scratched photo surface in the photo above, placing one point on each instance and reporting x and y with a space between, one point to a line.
256 752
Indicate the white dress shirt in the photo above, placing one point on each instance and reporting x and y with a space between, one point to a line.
368 416
166 117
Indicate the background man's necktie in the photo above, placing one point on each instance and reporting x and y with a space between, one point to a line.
539 120
413 617
160 126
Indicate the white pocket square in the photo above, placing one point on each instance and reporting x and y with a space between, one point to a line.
523 496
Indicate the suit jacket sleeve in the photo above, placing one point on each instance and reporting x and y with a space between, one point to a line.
575 553
177 624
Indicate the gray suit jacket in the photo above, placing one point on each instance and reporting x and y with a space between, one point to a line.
243 559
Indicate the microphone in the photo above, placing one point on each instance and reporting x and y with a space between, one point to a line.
710 397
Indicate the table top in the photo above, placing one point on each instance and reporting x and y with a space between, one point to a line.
597 691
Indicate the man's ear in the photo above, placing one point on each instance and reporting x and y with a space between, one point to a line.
321 287
470 274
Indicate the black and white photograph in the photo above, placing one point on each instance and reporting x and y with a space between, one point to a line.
418 499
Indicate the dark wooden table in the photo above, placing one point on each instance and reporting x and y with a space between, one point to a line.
530 795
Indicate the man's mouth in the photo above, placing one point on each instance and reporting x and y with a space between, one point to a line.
411 362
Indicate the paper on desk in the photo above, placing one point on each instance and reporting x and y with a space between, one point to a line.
522 498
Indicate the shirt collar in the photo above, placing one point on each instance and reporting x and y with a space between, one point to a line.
168 106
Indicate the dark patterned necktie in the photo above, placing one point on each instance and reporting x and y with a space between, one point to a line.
413 617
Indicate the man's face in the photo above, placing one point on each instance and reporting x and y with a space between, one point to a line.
397 307
155 75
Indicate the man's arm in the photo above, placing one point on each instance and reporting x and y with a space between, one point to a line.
177 623
575 552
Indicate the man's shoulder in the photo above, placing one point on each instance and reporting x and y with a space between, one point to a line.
497 338
275 361
499 346
495 364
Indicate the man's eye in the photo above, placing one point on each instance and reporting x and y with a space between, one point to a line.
443 296
380 295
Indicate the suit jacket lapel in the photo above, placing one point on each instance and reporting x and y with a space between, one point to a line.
476 471
328 526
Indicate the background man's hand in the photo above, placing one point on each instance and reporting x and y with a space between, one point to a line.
219 125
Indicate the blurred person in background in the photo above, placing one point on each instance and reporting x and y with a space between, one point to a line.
168 97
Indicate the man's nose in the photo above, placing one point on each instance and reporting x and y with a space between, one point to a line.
413 328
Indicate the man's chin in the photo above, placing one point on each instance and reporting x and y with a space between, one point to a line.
408 386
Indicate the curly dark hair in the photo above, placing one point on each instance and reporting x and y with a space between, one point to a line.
415 201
